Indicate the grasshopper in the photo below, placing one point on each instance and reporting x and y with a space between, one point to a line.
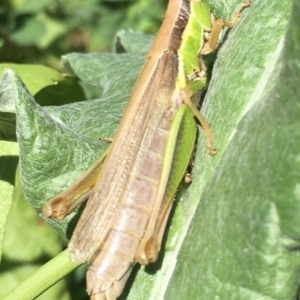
132 186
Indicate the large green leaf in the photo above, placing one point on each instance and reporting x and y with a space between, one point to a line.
243 242
232 246
48 87
233 233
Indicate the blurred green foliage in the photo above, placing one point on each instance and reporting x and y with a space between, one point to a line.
41 31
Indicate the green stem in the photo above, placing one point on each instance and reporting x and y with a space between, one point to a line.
43 278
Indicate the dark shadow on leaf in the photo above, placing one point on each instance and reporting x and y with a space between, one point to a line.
153 268
73 222
294 248
77 283
8 127
8 168
9 264
64 92
129 282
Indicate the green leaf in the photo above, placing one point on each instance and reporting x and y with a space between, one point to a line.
53 28
37 134
108 71
48 86
29 34
34 76
132 42
232 245
244 238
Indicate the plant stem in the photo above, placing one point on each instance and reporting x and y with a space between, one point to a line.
43 278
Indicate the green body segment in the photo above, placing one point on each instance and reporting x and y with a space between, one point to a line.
191 45
177 155
178 149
